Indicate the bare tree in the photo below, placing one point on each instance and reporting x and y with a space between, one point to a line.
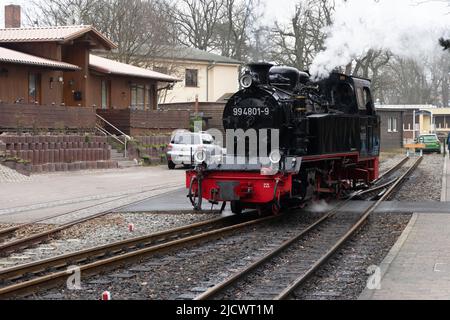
61 13
234 31
197 21
139 27
297 44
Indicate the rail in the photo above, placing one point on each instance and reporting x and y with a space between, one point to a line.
116 254
304 274
126 137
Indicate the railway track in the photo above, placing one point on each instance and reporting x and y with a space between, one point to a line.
9 247
282 270
30 277
391 171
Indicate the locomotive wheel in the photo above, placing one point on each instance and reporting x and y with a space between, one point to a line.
236 207
195 198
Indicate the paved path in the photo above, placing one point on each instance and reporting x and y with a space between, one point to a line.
9 175
50 194
418 266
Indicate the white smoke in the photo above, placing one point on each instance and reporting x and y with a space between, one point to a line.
406 28
319 206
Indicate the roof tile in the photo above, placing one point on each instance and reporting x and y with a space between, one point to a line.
108 66
16 57
47 34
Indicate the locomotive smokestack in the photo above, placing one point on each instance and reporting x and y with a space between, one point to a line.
261 70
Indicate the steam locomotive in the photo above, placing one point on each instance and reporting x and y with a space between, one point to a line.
327 141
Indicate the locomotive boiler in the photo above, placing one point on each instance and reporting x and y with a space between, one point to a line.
290 139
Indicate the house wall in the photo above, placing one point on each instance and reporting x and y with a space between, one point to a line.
14 84
225 80
120 91
77 81
48 50
214 80
391 140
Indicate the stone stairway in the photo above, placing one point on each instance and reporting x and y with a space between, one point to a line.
121 160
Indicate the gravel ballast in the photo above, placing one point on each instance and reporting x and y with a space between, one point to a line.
184 273
99 231
425 183
187 272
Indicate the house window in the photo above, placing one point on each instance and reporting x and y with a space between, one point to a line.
106 86
137 96
34 88
392 124
191 78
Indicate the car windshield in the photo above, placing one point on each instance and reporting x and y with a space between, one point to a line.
186 139
429 138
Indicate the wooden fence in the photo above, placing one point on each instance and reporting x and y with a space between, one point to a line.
212 111
15 117
139 122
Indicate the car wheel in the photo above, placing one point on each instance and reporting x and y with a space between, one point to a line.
171 165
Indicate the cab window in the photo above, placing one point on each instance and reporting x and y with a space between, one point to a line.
343 97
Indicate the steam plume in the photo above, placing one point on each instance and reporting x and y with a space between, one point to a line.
406 28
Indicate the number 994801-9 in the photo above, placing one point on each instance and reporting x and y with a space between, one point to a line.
251 111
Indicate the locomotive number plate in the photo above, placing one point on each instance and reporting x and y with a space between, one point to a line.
251 111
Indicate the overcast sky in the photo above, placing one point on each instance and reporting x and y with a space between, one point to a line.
274 9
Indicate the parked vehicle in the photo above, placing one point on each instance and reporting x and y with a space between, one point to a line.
431 142
184 145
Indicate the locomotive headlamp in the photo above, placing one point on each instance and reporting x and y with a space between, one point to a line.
246 81
275 157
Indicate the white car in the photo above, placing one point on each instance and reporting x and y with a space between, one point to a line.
188 148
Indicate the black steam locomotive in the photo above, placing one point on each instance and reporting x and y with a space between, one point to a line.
329 139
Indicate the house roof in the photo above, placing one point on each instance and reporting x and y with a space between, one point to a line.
193 54
108 66
52 34
16 57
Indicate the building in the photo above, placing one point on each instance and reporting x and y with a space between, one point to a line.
54 68
416 120
391 133
205 76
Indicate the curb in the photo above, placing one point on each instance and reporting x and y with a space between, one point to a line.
444 181
368 294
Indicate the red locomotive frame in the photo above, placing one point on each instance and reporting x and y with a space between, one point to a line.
334 173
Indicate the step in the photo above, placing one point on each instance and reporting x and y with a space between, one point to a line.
118 158
128 164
